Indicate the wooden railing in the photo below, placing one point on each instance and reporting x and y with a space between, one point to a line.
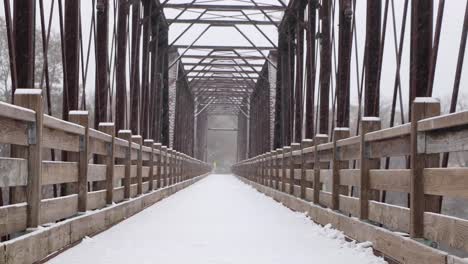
100 169
324 173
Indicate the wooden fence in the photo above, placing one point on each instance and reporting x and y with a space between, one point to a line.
101 168
348 176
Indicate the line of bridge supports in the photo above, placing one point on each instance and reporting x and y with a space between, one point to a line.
305 106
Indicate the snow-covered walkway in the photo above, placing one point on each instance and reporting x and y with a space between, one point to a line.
218 220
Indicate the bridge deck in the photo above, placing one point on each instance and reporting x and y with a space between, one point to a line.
217 220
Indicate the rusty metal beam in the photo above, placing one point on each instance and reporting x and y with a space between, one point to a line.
227 7
344 62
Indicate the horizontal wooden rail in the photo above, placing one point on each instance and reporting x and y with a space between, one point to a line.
346 175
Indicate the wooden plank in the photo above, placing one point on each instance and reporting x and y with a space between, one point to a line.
13 172
109 129
350 177
100 135
54 123
58 208
452 182
395 180
304 166
445 229
119 172
337 165
57 139
13 132
138 141
349 205
12 218
97 172
9 111
97 199
82 118
97 146
127 136
368 124
295 147
120 151
394 147
326 199
349 152
422 108
119 194
443 121
57 172
391 216
32 99
319 139
447 140
387 133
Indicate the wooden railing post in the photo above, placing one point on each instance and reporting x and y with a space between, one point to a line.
284 167
337 189
139 140
270 156
368 124
304 166
278 168
170 165
109 128
150 143
177 167
127 135
157 148
82 118
292 166
419 203
164 166
319 139
32 99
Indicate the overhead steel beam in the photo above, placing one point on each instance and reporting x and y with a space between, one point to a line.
227 72
224 48
223 22
227 7
223 64
222 57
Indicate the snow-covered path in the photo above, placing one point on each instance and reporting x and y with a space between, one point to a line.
218 220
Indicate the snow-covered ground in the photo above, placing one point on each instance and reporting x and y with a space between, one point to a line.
218 220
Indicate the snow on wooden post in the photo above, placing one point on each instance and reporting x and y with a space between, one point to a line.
109 128
127 135
82 118
422 108
306 143
292 166
319 139
368 124
164 166
157 149
337 189
32 99
139 141
150 143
